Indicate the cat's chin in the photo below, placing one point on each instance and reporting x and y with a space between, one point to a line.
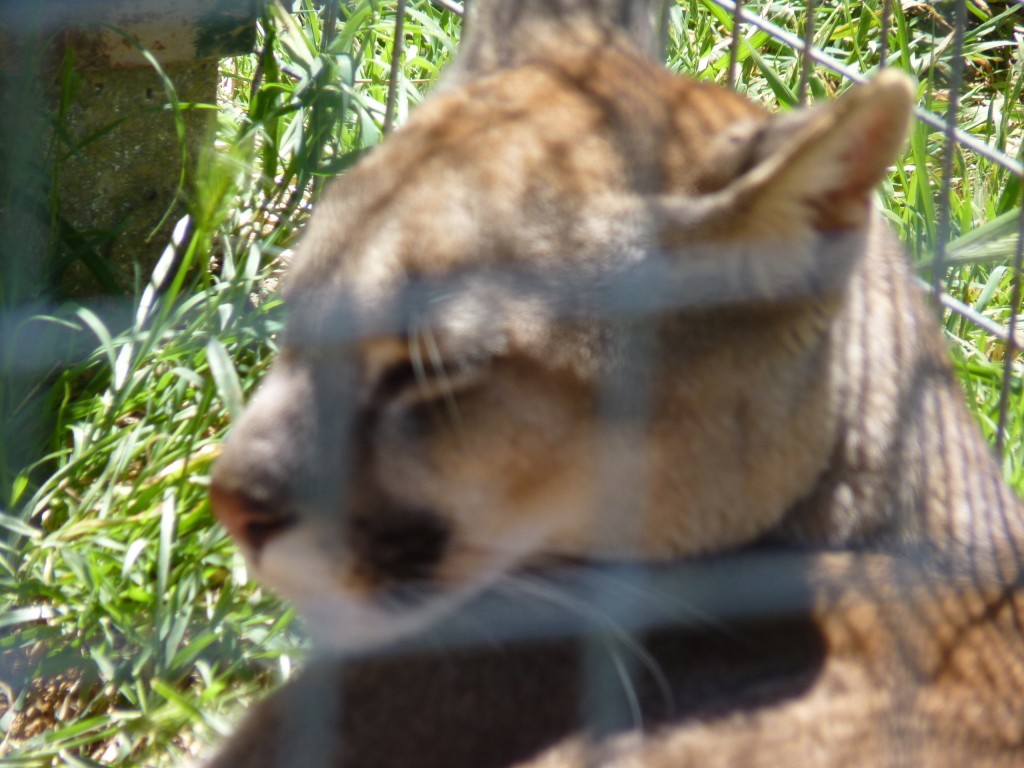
346 624
306 572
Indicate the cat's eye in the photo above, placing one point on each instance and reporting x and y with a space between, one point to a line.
426 380
396 379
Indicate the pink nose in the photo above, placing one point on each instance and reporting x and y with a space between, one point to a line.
251 521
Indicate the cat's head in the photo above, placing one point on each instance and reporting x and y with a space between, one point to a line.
576 308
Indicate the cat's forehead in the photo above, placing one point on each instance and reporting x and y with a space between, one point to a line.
465 219
513 169
465 315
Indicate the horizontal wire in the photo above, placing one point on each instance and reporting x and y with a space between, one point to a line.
935 121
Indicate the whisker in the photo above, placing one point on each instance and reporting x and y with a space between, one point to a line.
415 356
622 671
541 589
660 600
437 362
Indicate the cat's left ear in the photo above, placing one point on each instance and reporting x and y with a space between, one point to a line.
832 157
816 167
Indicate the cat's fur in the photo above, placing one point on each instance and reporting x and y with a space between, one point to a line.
580 311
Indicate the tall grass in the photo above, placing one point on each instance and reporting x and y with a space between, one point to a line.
129 631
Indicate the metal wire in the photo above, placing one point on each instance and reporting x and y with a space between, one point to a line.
396 66
806 62
963 138
956 69
457 8
883 46
734 44
1013 345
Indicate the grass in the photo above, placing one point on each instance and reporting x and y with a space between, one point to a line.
129 631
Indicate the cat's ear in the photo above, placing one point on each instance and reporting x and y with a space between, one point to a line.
816 167
789 206
826 162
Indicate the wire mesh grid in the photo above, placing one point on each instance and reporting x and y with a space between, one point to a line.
608 599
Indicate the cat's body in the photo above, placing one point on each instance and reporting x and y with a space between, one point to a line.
890 669
579 310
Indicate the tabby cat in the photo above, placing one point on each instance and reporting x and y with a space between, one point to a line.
610 427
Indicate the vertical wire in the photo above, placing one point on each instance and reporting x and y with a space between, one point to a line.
883 48
806 61
397 49
1011 337
626 402
949 150
319 118
734 43
626 408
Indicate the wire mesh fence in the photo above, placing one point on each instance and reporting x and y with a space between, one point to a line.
606 606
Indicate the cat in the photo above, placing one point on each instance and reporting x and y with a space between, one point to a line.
582 321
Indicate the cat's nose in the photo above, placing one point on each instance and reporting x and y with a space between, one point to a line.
253 519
